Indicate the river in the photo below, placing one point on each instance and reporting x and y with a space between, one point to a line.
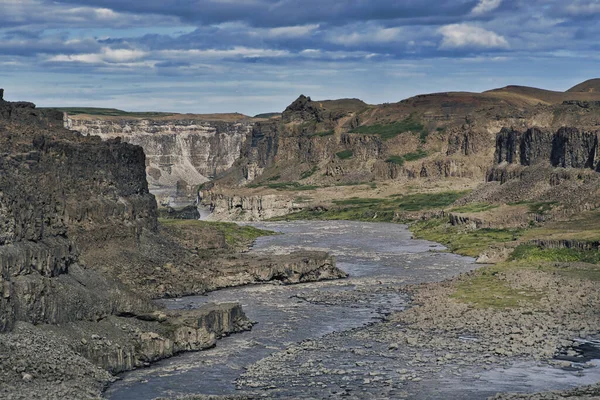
300 321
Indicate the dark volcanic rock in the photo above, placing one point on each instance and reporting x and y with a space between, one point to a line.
568 147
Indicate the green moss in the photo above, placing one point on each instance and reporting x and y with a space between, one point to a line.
487 288
377 209
415 156
324 133
424 201
398 160
345 154
309 173
359 201
235 235
466 242
533 253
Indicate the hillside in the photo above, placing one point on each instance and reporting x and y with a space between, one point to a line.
589 86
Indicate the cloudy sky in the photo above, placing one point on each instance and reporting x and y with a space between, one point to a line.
255 56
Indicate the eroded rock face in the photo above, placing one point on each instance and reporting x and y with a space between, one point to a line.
249 208
184 151
567 147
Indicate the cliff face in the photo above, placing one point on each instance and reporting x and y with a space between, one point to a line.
181 152
62 195
57 191
568 147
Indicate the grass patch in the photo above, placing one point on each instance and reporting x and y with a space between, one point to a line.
424 201
376 209
474 208
468 243
359 201
236 236
345 154
415 156
388 131
309 173
533 253
488 289
398 160
324 133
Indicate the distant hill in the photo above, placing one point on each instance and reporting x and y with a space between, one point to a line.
589 86
108 112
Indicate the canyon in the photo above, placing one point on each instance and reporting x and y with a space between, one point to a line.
497 176
83 255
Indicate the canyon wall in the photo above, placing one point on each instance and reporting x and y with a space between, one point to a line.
568 147
181 152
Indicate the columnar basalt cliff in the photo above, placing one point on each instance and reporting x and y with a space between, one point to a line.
181 151
569 147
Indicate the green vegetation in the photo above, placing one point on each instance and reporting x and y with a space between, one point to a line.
309 173
399 160
457 240
530 252
377 209
415 156
274 178
487 288
424 201
324 133
345 154
235 235
388 131
110 112
474 208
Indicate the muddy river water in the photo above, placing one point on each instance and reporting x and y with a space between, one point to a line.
309 339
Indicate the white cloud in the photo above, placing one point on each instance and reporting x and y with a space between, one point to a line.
577 8
238 51
485 6
107 55
380 35
292 31
465 35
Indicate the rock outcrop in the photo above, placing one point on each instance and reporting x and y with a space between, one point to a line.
569 147
249 208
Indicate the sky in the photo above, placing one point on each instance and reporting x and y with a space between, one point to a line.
254 56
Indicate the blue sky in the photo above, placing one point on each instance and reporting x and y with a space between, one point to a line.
255 56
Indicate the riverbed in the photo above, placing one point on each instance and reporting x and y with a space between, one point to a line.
315 340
